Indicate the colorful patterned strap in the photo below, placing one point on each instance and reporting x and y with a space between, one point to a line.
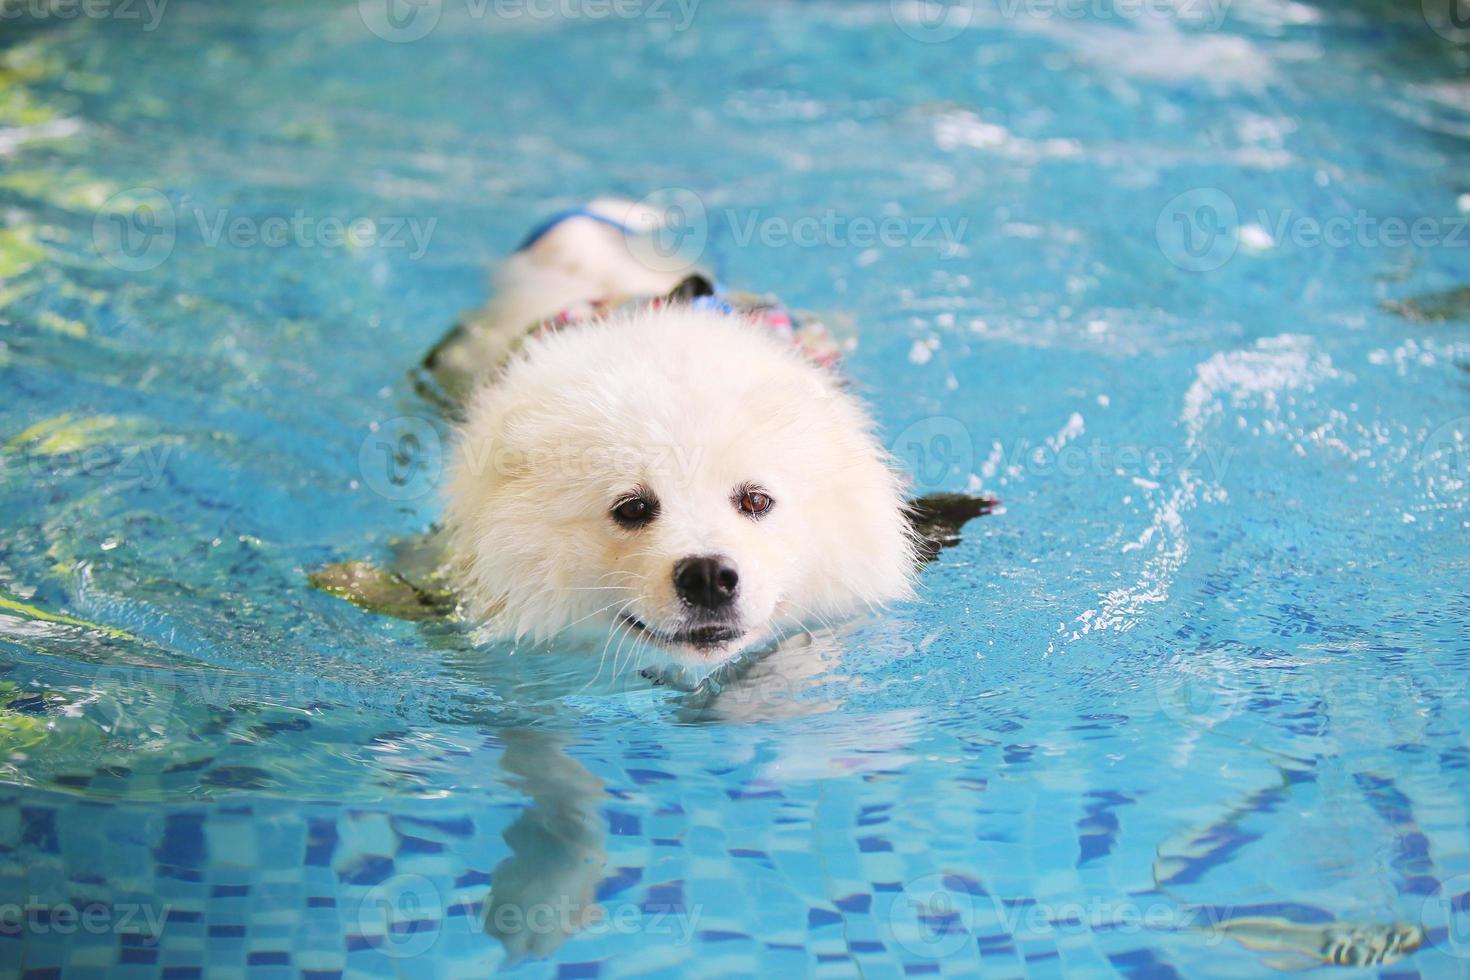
810 335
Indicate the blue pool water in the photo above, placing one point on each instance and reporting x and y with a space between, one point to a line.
1209 665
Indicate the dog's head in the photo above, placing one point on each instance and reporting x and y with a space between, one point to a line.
683 478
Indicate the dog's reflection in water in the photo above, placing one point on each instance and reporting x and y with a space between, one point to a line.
544 892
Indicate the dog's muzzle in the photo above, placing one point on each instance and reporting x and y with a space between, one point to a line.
702 637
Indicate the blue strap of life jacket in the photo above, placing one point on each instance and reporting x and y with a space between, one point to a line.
540 230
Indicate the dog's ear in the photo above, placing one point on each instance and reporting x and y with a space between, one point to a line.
938 518
691 288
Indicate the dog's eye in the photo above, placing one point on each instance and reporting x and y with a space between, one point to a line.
753 501
635 511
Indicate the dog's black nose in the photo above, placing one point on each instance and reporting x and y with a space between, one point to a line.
706 581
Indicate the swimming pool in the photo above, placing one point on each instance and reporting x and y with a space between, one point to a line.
1194 699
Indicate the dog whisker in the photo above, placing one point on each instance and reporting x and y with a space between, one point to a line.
602 657
583 619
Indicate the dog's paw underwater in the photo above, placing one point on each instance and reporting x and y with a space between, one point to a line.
682 467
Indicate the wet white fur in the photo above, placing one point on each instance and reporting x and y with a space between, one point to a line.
689 405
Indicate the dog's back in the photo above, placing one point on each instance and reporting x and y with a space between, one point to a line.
582 256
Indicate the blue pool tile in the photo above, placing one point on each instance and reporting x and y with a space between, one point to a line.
664 897
321 841
620 880
816 918
472 877
182 844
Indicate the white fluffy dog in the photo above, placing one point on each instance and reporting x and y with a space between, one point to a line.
683 475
